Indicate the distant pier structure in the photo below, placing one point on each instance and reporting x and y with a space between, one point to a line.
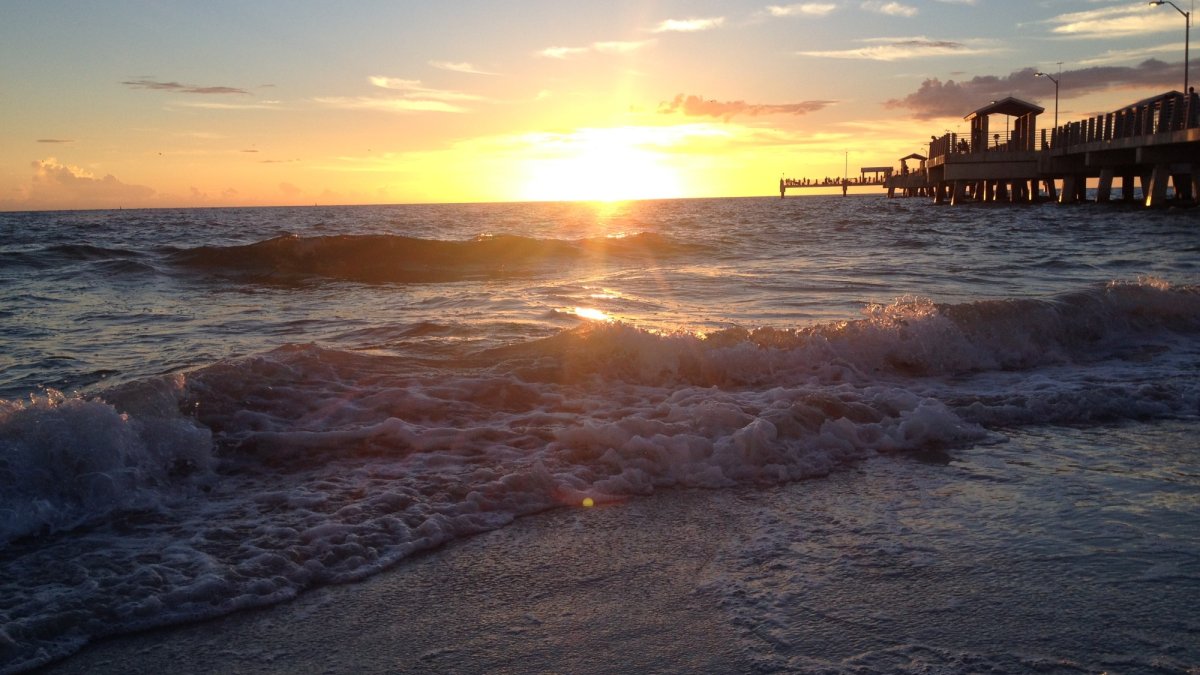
877 178
1153 144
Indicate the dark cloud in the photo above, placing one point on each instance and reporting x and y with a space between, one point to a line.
55 140
695 106
954 99
146 83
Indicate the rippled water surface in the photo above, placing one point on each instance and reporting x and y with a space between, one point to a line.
208 410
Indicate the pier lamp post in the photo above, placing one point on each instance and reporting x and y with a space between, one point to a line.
1187 38
1055 81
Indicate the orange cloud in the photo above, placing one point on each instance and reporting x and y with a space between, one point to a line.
695 106
61 186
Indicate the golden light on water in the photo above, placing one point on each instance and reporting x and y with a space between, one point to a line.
591 314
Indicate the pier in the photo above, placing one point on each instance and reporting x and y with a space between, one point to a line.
1153 144
879 177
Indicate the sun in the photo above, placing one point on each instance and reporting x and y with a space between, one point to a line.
600 165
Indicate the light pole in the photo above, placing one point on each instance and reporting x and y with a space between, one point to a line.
1187 38
1055 81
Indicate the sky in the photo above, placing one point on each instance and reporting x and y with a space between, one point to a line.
164 103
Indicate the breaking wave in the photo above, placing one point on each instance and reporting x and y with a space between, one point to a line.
308 465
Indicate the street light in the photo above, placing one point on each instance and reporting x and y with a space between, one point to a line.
1187 38
1055 81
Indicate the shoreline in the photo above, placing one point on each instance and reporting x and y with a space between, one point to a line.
549 592
1055 550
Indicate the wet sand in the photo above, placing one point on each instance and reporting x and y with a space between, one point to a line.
615 588
1061 550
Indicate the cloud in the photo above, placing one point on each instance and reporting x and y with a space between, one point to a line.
688 25
894 49
415 90
609 47
1127 55
562 52
696 106
146 83
459 67
55 140
410 96
935 98
802 9
396 105
1110 22
61 186
890 8
223 105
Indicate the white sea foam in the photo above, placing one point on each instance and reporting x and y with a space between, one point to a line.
65 461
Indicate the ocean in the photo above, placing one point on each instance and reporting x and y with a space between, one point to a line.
949 439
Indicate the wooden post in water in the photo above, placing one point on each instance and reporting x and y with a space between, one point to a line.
1158 185
1183 186
1104 187
958 193
1069 192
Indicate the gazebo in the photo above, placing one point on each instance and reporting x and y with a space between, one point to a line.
914 156
1024 129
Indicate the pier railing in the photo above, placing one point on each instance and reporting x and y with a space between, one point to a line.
1162 114
833 182
962 144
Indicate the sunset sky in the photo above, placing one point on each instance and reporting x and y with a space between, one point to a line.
256 102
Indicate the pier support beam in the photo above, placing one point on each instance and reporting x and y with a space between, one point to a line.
1127 187
1051 191
1104 187
1183 186
959 193
1157 196
1070 191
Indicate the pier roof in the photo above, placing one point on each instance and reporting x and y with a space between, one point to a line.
915 156
1013 107
1154 99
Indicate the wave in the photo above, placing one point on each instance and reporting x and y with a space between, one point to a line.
69 461
309 465
393 258
64 254
1121 351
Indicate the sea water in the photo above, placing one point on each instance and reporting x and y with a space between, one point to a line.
207 410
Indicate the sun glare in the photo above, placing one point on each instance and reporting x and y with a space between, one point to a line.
600 165
591 314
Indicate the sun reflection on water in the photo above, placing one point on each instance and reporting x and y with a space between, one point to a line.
592 314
